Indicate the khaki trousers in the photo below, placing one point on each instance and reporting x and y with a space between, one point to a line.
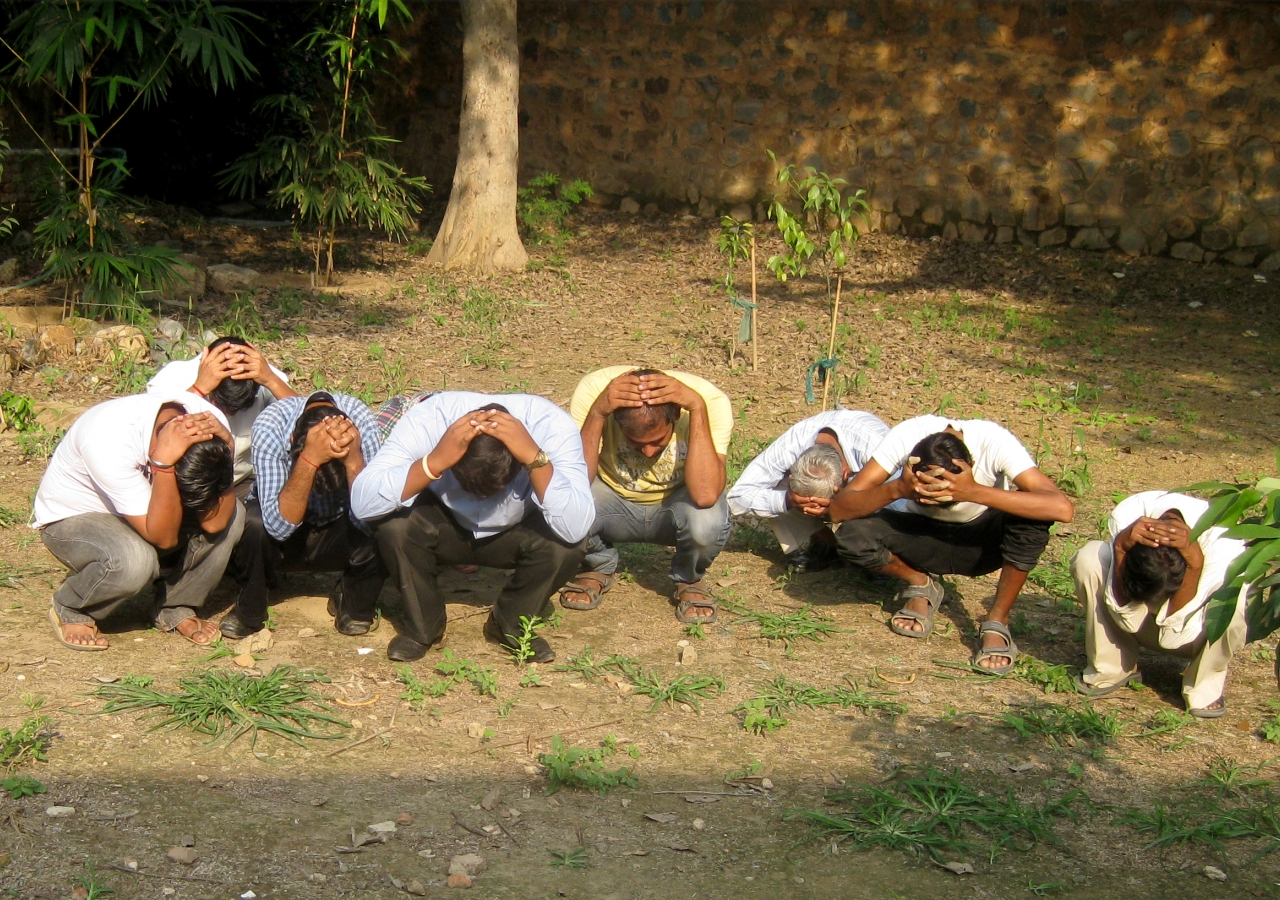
1113 652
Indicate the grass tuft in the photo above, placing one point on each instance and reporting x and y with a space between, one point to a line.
29 742
687 689
766 712
226 705
788 627
584 767
1065 725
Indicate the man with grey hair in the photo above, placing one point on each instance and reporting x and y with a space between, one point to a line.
792 482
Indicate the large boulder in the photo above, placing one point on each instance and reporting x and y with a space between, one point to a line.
126 339
227 278
189 287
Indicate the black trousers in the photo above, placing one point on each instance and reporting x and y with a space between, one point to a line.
415 543
944 548
336 546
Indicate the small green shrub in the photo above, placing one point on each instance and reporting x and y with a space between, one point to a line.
584 767
543 207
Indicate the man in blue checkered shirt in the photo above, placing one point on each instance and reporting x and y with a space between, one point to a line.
307 451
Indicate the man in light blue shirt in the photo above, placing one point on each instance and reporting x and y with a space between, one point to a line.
473 479
791 483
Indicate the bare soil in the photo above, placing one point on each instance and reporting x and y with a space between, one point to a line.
1099 363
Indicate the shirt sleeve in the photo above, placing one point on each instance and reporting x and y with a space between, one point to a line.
567 504
370 439
176 377
272 468
756 489
377 490
892 452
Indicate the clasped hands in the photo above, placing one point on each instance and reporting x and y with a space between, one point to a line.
645 390
183 431
333 437
935 486
453 445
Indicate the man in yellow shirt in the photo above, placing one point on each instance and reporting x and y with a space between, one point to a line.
655 444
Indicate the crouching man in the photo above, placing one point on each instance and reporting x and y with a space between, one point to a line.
464 480
790 484
139 491
970 501
1148 587
307 451
655 445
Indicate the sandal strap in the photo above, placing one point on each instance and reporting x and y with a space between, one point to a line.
990 627
604 581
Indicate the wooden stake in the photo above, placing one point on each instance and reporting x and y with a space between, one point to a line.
755 311
831 343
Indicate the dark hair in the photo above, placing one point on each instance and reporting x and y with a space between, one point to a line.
488 466
939 450
233 395
1152 573
332 476
204 474
639 419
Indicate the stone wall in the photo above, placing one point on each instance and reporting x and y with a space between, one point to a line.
1146 126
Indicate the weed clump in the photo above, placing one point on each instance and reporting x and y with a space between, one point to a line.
788 627
584 767
766 712
1066 725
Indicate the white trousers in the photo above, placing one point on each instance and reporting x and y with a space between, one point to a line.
793 529
1113 652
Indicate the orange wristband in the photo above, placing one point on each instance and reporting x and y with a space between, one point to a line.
307 461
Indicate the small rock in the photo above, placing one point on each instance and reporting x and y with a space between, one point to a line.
662 818
1213 873
58 812
427 854
688 656
167 891
629 207
184 855
80 893
650 210
306 632
58 340
490 799
258 642
106 679
1194 304
417 888
475 730
187 840
202 778
9 270
382 828
317 878
741 212
766 784
959 868
131 864
699 824
404 820
459 881
226 278
466 864
248 895
245 661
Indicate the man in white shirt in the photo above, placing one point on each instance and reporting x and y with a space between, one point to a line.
139 488
473 479
970 501
767 487
233 376
1148 587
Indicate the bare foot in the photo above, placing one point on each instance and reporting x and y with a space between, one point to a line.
694 594
197 630
83 635
993 641
915 604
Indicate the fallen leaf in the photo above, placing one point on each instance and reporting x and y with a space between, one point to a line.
682 848
664 818
103 679
638 853
545 707
701 798
490 799
1213 873
1021 767
959 868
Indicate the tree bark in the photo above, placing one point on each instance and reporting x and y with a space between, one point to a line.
479 227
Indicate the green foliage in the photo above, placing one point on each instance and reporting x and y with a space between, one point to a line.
1051 679
1251 513
1271 727
17 411
543 207
787 627
1167 721
693 629
523 651
569 859
9 516
1065 725
93 886
583 767
936 813
824 227
29 742
328 162
6 221
687 689
766 712
19 786
101 58
462 671
416 691
735 242
226 705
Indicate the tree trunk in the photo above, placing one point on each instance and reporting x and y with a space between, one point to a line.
479 227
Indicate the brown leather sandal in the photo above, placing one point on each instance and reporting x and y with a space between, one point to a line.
684 603
570 594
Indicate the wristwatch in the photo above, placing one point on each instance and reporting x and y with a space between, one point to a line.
537 462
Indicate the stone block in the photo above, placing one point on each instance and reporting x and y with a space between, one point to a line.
908 203
1270 263
1255 234
1216 237
1079 214
58 341
1209 257
741 212
747 111
1149 219
1003 217
1186 250
1269 206
1205 203
629 206
950 232
1053 237
1257 152
973 208
933 214
1070 192
9 270
1039 214
1132 240
890 223
226 278
882 196
973 233
1179 144
1004 235
1241 257
1027 238
1090 239
1180 228
1070 145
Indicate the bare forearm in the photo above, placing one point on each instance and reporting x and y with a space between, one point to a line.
1041 506
592 435
297 491
541 479
704 471
1187 592
855 504
164 513
222 514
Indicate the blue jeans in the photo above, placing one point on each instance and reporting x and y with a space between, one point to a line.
697 534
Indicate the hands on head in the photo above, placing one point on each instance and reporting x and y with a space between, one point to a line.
810 506
650 389
935 486
178 434
239 362
496 423
333 437
1169 532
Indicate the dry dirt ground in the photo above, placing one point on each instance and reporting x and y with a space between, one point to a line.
1122 375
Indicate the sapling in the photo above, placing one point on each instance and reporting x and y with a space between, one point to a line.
737 241
822 235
